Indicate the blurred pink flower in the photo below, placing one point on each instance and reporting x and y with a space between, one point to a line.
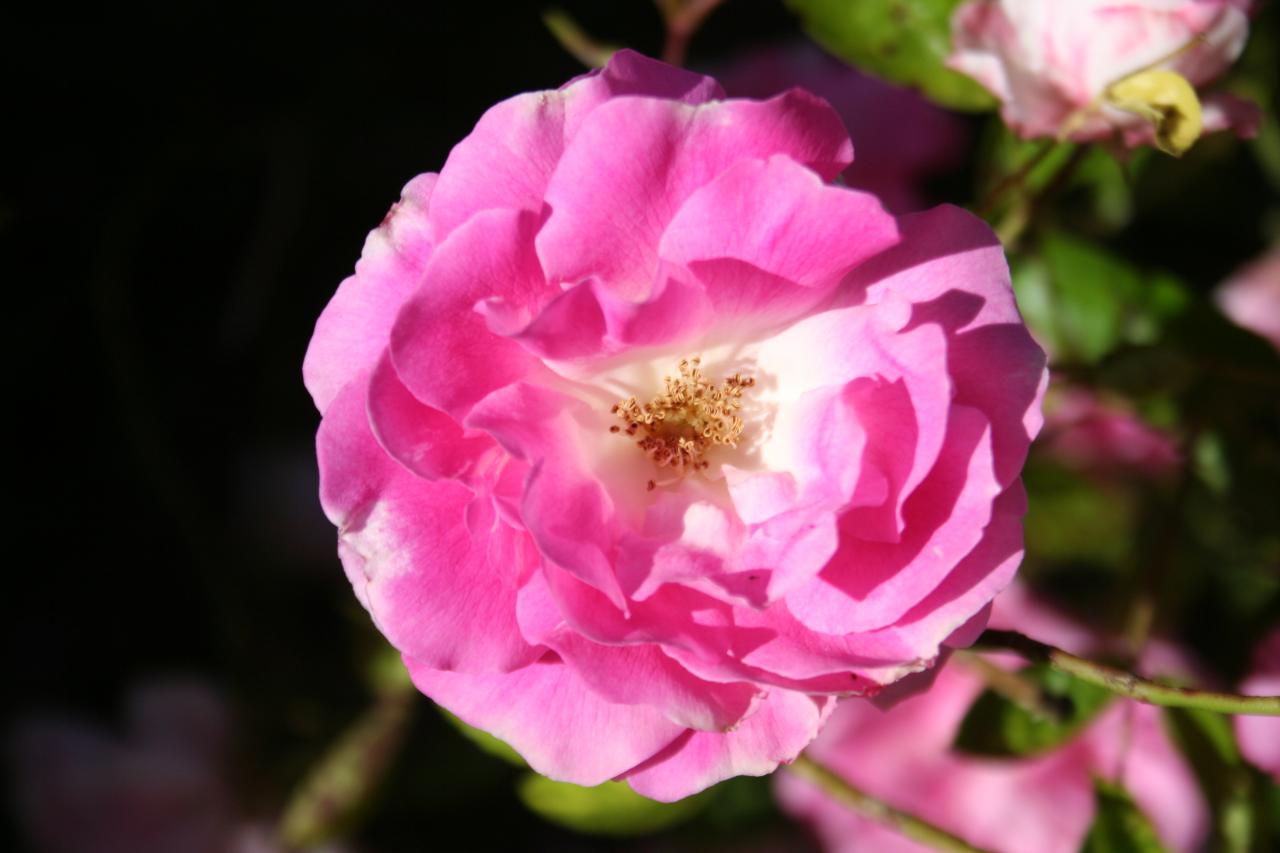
1041 804
1251 297
162 785
901 138
1104 437
1052 64
624 561
1260 736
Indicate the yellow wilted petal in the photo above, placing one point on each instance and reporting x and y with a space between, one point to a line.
1165 99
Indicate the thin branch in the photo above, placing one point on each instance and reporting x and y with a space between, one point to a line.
1126 683
1021 691
1014 179
683 18
869 807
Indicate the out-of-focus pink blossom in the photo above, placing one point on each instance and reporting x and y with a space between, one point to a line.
1260 736
1055 65
901 138
1251 297
626 561
1105 437
162 784
1040 804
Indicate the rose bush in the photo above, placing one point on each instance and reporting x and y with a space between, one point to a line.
1043 803
644 441
1098 69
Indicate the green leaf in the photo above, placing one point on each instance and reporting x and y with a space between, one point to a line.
997 727
904 41
487 742
1099 301
608 809
1119 826
1208 742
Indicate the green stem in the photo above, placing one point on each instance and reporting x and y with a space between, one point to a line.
1014 179
1126 683
869 807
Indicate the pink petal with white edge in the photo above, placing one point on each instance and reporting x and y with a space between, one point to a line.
424 440
555 721
440 345
505 162
566 509
785 723
428 582
635 161
353 328
904 435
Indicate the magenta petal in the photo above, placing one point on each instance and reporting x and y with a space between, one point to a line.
505 162
952 268
1260 736
554 720
427 579
785 723
636 160
440 345
869 585
425 440
781 218
352 331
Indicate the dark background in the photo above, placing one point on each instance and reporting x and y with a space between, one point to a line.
186 186
189 183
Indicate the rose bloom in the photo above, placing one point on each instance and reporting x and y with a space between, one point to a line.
1105 438
644 441
1038 804
1251 297
1260 736
1099 69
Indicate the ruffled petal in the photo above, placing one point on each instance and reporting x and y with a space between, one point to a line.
777 732
353 328
441 346
422 439
558 724
426 578
505 162
636 160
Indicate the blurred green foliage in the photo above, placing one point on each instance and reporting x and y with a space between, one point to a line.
904 41
608 809
1120 826
997 727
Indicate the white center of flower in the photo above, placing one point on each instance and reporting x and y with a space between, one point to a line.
678 427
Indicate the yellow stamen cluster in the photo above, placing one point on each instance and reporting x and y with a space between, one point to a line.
678 427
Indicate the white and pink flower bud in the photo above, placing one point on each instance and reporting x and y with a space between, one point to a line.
1088 70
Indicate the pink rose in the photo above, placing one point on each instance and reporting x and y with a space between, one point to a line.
1098 69
1251 297
1260 736
1104 437
621 560
1039 804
